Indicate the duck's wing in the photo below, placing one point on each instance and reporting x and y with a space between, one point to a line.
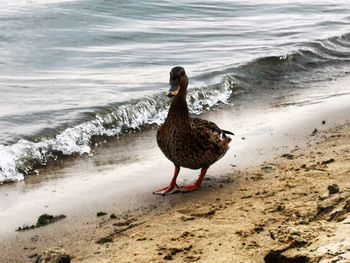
208 143
210 127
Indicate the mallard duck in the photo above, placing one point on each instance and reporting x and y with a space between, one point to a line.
188 142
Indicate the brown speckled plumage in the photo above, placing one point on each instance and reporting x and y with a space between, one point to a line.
189 142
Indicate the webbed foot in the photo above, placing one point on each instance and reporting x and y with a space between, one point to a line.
171 189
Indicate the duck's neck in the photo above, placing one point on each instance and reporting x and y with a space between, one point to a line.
178 108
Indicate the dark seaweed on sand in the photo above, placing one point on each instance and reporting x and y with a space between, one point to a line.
113 216
101 214
104 240
43 220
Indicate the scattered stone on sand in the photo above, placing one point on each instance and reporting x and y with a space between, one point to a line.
34 238
187 218
315 131
53 255
331 160
246 196
116 232
333 189
103 240
192 214
267 168
334 207
113 216
323 122
182 250
278 257
123 223
287 253
288 156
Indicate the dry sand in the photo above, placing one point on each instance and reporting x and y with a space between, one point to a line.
295 208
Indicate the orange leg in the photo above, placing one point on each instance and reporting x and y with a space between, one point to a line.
172 188
188 188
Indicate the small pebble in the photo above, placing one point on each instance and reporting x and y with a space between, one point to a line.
333 189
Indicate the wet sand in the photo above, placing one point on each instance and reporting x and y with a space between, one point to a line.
244 208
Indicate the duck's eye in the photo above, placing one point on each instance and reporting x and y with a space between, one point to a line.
182 73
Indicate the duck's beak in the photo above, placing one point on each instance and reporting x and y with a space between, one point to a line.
174 90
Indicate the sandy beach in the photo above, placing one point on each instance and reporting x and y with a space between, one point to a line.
281 193
85 85
294 208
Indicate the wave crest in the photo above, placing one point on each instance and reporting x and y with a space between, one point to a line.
23 157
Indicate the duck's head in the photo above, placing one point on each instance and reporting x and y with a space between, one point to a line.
178 82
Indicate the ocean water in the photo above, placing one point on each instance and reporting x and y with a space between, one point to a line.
71 70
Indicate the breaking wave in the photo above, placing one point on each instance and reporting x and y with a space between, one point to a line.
313 62
24 157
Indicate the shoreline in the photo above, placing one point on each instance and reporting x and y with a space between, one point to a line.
81 188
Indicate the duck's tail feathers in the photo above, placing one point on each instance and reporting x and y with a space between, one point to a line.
227 132
225 137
